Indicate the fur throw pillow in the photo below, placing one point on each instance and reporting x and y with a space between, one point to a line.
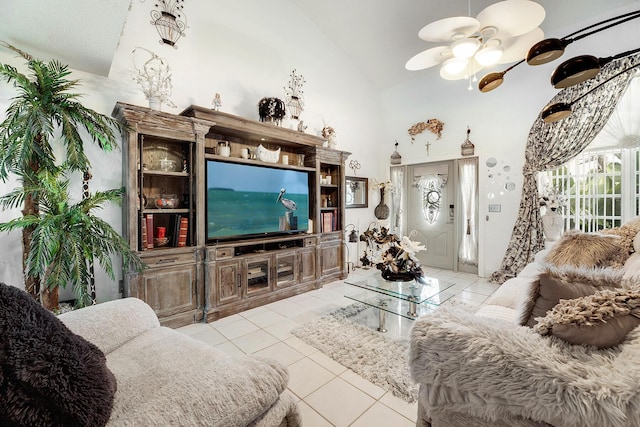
627 233
554 284
49 376
588 250
602 320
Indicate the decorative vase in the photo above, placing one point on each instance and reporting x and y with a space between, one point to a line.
382 210
155 103
397 277
552 225
332 141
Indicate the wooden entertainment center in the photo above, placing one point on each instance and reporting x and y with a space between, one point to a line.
190 278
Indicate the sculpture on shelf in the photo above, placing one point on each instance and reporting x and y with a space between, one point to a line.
217 102
271 110
329 134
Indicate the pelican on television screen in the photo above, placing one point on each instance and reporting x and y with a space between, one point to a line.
254 200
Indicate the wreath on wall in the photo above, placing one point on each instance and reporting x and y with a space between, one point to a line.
433 125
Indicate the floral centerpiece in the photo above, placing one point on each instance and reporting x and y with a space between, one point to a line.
394 256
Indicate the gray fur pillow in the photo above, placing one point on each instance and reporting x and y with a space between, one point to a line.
602 320
49 376
554 284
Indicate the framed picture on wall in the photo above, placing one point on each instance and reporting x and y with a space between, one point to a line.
357 190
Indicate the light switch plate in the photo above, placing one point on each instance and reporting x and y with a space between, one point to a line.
495 208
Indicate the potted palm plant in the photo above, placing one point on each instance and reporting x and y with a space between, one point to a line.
66 236
45 104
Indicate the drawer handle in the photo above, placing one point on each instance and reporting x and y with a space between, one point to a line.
166 261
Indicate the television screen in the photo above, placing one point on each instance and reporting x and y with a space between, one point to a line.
245 200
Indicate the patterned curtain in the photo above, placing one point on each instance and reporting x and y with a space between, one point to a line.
467 172
550 145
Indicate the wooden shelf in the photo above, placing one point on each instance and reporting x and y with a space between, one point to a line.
232 125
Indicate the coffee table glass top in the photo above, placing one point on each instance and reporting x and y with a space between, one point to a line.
423 290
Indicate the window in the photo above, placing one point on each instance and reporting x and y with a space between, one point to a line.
599 188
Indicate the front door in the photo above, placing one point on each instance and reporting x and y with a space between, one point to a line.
431 212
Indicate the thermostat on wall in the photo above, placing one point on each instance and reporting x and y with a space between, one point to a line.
495 208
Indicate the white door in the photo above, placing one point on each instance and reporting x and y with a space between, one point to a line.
431 214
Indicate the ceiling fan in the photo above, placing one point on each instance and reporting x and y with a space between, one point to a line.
501 33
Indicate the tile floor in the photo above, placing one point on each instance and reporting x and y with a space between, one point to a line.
329 394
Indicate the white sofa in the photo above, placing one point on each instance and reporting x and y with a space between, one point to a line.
167 378
478 367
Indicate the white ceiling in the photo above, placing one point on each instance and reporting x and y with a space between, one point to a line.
379 35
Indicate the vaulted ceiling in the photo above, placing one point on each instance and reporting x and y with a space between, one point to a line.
379 35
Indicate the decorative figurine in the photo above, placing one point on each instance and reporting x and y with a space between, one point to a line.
301 126
217 102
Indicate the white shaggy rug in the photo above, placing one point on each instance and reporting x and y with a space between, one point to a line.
370 354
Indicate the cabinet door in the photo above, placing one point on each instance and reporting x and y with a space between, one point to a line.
258 274
170 290
286 269
307 264
331 258
228 283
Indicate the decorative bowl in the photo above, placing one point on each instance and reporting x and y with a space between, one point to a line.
167 201
162 241
265 155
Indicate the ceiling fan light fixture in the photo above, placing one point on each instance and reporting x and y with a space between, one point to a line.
546 50
454 65
576 70
489 55
465 47
555 112
491 81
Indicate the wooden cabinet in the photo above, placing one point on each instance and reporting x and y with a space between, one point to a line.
227 277
249 274
190 278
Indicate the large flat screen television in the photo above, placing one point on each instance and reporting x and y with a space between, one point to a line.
244 200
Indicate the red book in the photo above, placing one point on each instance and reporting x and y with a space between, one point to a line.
182 233
149 219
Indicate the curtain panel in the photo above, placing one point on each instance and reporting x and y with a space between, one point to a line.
550 145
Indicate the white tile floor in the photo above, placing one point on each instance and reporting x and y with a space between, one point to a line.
329 394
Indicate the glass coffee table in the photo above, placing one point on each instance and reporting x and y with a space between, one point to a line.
406 299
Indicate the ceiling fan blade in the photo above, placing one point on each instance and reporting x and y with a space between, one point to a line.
516 48
464 74
512 17
444 29
429 58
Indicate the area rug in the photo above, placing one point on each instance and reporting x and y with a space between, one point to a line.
369 353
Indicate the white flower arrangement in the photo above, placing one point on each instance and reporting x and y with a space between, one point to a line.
391 254
154 77
551 198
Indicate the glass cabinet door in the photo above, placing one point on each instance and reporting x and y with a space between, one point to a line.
285 269
258 275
